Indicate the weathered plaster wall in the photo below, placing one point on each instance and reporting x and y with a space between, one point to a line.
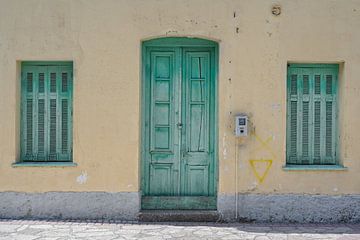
103 38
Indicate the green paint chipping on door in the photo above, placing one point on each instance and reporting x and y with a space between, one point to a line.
179 163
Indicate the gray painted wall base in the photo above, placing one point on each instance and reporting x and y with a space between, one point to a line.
126 206
291 208
70 205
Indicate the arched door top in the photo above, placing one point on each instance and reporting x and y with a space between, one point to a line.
180 41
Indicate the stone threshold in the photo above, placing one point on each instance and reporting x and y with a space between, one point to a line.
179 216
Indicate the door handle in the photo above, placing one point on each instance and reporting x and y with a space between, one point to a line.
179 125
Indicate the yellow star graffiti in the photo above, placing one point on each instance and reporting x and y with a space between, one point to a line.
260 168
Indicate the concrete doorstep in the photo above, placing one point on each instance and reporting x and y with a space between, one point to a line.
179 216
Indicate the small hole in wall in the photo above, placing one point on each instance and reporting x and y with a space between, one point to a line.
276 10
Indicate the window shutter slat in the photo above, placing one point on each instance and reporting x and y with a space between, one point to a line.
29 128
64 82
306 84
64 126
52 149
41 129
293 131
329 84
29 82
305 133
317 84
53 82
317 131
329 126
41 82
293 84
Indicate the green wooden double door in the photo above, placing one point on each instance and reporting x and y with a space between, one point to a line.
178 165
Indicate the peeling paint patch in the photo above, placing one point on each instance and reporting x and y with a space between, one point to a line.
253 186
82 178
275 106
169 32
225 153
224 146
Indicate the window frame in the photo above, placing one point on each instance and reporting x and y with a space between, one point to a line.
59 161
299 164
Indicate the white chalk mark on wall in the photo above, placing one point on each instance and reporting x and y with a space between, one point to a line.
224 146
82 178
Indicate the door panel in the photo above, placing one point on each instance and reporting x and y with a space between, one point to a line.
178 159
163 159
162 101
197 159
196 109
197 177
161 180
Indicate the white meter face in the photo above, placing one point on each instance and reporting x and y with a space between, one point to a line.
241 126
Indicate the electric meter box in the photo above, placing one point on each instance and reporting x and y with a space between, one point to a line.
241 126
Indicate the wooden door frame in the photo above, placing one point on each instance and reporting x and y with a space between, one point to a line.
176 42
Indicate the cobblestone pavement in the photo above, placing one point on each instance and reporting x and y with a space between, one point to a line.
51 230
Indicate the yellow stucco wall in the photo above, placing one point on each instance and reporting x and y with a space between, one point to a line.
103 38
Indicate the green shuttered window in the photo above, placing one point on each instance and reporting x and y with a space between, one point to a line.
46 111
312 91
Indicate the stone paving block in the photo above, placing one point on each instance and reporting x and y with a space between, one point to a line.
9 227
18 236
50 230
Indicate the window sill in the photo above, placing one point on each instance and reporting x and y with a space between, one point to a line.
44 164
314 168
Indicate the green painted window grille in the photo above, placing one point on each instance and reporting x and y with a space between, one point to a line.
46 111
312 93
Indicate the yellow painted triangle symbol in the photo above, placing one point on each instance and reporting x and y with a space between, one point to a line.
260 167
